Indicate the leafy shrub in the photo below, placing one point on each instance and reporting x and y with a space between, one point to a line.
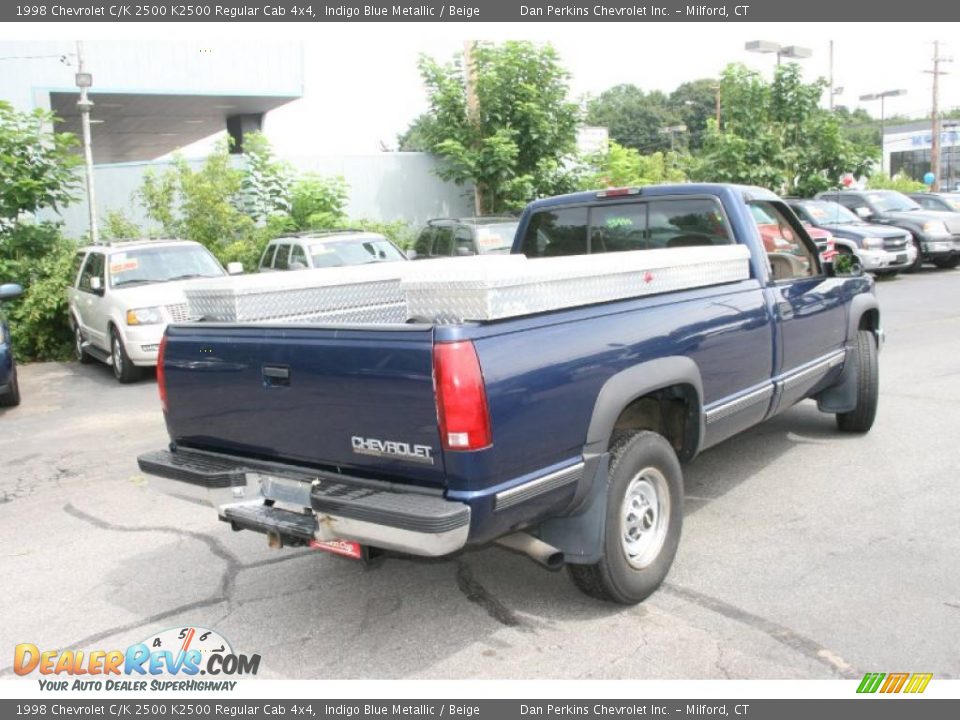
42 260
318 202
621 166
900 182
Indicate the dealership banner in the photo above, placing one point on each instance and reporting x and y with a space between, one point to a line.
330 709
324 11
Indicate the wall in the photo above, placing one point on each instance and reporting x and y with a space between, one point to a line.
383 186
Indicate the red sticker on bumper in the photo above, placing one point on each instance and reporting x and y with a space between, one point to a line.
347 548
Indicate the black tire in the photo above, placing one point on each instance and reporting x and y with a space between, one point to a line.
124 370
947 263
860 419
11 398
918 262
83 357
636 457
886 274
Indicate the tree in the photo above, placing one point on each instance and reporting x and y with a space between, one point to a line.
776 135
36 166
694 103
512 147
620 166
266 181
416 138
635 119
317 202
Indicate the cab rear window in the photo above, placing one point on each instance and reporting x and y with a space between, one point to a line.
647 225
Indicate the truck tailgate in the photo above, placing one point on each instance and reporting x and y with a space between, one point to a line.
357 399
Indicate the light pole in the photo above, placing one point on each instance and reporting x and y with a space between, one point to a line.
672 131
881 97
84 81
765 47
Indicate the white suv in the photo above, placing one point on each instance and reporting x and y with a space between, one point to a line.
124 294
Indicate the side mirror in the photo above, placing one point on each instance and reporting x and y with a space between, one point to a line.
235 268
10 291
863 212
96 285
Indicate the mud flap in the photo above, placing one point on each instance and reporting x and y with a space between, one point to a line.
580 536
841 397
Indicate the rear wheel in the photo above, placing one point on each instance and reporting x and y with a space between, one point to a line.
11 397
124 370
860 419
947 263
643 520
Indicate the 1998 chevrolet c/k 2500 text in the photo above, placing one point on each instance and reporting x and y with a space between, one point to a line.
559 433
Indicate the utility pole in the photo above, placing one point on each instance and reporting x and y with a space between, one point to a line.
716 94
831 76
473 110
84 81
935 115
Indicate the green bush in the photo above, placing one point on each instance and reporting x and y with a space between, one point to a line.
40 259
317 202
900 182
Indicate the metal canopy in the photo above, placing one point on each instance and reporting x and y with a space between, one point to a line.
128 127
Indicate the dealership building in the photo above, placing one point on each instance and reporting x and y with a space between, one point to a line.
151 98
908 148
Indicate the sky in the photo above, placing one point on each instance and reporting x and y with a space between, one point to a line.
362 87
383 90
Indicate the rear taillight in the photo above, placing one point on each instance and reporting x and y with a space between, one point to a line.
461 397
161 373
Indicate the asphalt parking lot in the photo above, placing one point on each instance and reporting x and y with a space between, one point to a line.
806 554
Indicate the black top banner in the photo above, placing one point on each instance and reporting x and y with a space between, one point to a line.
326 11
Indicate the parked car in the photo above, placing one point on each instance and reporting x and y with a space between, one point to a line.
459 237
9 386
778 237
558 432
328 248
124 294
936 235
881 249
942 201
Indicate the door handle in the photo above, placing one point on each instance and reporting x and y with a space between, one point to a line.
276 375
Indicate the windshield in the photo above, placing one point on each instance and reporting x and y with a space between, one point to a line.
352 252
891 202
161 264
827 213
496 238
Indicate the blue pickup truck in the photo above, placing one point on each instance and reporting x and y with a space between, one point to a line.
559 434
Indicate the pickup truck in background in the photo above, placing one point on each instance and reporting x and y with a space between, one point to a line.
559 434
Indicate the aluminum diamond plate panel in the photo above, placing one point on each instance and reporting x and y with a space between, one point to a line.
368 294
496 287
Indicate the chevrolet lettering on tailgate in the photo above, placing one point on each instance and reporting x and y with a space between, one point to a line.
392 448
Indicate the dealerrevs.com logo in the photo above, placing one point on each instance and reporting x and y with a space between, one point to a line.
174 659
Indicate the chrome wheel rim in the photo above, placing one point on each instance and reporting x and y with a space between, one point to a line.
117 357
644 517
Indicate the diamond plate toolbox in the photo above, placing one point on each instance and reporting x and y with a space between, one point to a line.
349 295
490 288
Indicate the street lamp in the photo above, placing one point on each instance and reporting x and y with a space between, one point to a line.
672 130
765 47
84 81
881 97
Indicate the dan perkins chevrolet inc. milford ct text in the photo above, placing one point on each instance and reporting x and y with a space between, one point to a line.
567 11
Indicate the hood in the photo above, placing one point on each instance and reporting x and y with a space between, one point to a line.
154 294
864 230
952 220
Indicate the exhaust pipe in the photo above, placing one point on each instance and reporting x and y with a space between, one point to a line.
534 548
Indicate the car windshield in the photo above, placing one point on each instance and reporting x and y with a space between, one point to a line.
496 238
335 253
161 264
891 202
827 213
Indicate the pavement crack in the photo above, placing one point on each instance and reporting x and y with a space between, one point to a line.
780 633
479 595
